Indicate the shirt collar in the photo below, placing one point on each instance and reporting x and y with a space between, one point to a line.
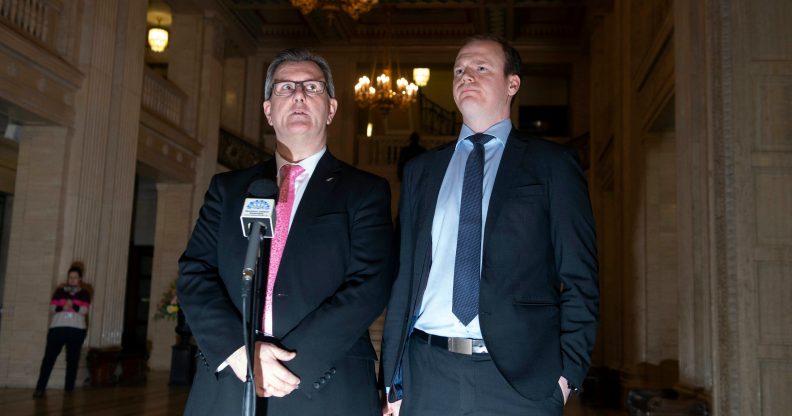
309 163
499 130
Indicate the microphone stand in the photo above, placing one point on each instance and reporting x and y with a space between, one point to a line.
248 273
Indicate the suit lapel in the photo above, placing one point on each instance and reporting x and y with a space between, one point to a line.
323 180
507 177
427 203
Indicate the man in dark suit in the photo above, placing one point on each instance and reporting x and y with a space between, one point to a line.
329 272
495 305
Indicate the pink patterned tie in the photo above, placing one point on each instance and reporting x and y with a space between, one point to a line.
283 211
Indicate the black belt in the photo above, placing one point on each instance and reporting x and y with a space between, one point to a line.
458 345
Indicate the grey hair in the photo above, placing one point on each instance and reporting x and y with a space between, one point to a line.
298 55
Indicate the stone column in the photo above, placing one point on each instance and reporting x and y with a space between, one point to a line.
100 175
33 271
197 68
694 238
170 238
737 193
233 104
73 195
604 184
341 133
208 128
254 96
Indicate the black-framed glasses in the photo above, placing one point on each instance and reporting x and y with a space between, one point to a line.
287 88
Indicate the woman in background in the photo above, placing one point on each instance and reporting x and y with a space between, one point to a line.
70 305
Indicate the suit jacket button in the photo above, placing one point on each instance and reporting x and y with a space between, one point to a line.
317 385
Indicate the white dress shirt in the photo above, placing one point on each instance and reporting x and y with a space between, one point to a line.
435 316
309 166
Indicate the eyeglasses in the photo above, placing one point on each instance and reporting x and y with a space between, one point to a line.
287 88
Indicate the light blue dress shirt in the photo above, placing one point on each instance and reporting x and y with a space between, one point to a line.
435 316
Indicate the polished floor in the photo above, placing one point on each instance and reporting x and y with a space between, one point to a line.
154 398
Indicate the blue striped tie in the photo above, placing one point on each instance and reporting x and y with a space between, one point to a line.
467 267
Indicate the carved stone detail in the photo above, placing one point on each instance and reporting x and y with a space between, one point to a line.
235 153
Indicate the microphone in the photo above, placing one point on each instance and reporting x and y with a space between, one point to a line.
259 207
257 214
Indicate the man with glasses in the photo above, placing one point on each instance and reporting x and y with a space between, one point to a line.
329 273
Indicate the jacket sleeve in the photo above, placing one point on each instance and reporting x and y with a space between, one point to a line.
574 244
214 320
57 301
396 320
82 302
358 301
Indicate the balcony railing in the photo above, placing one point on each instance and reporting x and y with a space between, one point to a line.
36 18
383 151
162 98
437 120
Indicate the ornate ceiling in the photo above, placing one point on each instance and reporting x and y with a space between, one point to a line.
421 22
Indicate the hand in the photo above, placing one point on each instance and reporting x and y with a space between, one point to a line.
272 378
562 382
238 363
68 305
391 408
278 380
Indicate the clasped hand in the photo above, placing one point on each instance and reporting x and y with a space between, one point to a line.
271 376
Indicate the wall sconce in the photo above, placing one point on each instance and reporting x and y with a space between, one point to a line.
159 17
421 76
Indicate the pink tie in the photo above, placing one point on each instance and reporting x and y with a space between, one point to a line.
283 211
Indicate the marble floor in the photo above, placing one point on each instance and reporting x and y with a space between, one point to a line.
154 398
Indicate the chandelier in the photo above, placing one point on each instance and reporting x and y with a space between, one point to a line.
354 8
383 95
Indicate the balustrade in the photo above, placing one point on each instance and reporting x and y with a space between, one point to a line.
162 98
384 150
36 18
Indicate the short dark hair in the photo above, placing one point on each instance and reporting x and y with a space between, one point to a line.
512 63
76 269
298 55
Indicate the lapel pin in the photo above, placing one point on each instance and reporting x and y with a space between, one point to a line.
330 179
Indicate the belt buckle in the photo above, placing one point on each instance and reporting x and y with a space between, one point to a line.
460 345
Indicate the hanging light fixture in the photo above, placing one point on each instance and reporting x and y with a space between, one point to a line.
158 39
421 76
159 18
354 8
383 94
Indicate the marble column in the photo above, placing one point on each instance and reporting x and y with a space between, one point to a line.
101 160
74 192
33 271
197 68
737 197
254 96
341 133
694 235
171 233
